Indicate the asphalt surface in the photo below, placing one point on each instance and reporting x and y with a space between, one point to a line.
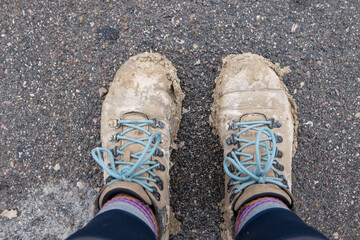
55 56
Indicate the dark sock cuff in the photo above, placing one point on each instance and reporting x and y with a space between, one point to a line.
278 224
114 224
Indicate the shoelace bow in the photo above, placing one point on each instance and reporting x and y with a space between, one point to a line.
121 170
260 165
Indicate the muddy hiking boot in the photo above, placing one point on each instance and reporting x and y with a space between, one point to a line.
255 118
139 121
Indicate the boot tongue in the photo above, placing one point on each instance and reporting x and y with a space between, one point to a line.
136 134
250 135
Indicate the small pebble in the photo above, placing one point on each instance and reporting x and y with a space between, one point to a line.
294 27
185 110
102 92
309 123
80 185
9 214
57 167
181 144
3 126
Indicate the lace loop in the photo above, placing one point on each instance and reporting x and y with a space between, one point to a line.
249 170
121 170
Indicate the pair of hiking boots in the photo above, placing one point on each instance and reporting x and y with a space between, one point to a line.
252 113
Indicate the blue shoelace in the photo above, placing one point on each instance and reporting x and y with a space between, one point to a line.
121 170
263 162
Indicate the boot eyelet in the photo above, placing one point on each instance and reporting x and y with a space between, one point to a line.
154 139
274 123
232 126
231 168
232 196
278 153
109 179
279 139
159 153
114 123
231 139
115 137
161 167
159 183
278 166
229 185
158 124
155 193
114 151
284 181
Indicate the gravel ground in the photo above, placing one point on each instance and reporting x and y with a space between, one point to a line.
55 56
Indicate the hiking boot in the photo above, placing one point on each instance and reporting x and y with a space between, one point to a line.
255 118
139 121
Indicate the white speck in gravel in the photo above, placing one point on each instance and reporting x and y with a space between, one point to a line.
3 126
102 92
309 123
57 167
294 27
9 214
80 185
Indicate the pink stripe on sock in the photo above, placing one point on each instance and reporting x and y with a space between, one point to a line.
143 210
138 205
246 210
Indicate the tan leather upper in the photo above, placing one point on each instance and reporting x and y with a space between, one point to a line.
145 87
249 88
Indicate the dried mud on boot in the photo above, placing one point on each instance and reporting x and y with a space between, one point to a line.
233 65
